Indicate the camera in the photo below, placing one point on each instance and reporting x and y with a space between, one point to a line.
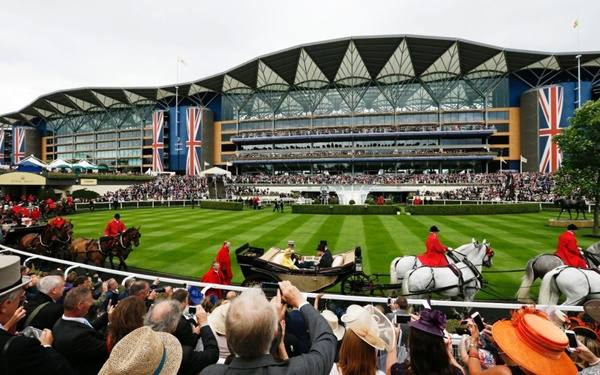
159 290
192 310
478 321
269 289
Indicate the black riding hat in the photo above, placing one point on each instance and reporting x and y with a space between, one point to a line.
117 216
434 229
322 245
572 227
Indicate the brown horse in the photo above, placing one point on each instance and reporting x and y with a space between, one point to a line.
52 241
95 251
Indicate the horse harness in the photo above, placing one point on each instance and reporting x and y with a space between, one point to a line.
587 279
462 284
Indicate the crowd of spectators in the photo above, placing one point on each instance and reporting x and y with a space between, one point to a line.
83 325
361 130
356 153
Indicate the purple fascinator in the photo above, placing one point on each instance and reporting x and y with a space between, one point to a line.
431 321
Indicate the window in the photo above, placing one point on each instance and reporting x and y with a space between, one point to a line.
501 127
499 140
500 115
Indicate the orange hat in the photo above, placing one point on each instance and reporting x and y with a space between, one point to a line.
534 343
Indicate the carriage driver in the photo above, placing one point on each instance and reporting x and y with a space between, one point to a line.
435 253
568 250
114 227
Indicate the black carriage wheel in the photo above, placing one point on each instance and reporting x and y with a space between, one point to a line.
357 284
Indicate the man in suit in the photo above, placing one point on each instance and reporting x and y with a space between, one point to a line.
250 329
165 316
44 309
76 338
21 354
326 257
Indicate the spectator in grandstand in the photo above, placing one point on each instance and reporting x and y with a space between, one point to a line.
250 329
529 343
164 317
127 316
430 348
22 354
76 338
44 309
114 227
141 290
144 351
225 262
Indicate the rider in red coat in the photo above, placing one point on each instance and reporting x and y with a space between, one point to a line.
50 203
114 227
435 254
225 263
57 222
567 248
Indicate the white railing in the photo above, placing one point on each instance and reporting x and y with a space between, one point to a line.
329 296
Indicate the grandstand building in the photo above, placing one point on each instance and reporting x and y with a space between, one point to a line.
359 104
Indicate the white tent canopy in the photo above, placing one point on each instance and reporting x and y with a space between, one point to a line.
84 164
215 171
33 160
59 164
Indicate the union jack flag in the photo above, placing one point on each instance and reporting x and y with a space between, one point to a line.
551 106
2 136
158 144
18 144
194 142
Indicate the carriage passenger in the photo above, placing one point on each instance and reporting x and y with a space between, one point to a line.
567 248
114 227
435 254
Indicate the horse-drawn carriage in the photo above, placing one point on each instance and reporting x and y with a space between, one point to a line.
14 233
259 266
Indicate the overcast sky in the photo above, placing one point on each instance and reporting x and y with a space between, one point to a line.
49 45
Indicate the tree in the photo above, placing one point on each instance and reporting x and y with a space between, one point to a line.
580 145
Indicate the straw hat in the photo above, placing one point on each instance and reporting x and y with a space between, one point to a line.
370 325
216 319
333 322
144 351
10 274
592 308
534 343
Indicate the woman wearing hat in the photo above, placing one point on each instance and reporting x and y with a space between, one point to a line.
567 248
367 330
529 343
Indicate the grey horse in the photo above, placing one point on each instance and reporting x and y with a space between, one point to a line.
543 263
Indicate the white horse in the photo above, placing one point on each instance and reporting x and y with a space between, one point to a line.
442 280
577 284
401 265
541 264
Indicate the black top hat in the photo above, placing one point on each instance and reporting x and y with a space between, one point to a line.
434 229
572 227
117 216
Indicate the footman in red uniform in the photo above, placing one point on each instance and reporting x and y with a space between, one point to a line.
567 248
225 263
114 227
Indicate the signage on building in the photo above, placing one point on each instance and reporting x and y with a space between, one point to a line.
88 181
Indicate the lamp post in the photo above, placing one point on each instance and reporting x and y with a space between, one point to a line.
578 57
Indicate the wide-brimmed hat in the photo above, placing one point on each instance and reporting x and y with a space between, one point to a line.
592 308
586 332
572 227
370 325
534 343
434 229
216 319
144 351
334 323
430 321
10 274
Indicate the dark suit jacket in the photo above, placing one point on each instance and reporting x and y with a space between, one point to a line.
193 362
318 361
26 356
326 259
47 316
184 333
84 347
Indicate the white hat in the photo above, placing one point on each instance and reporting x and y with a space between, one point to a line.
10 274
370 325
216 319
333 322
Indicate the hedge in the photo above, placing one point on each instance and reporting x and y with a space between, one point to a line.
84 194
344 209
480 209
221 205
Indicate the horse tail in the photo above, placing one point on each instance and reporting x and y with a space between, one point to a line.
526 282
549 293
393 273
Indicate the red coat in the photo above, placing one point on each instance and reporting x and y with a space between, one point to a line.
57 222
568 251
434 255
114 228
50 203
213 277
36 214
225 263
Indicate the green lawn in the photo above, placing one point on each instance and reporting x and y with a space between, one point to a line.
184 241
